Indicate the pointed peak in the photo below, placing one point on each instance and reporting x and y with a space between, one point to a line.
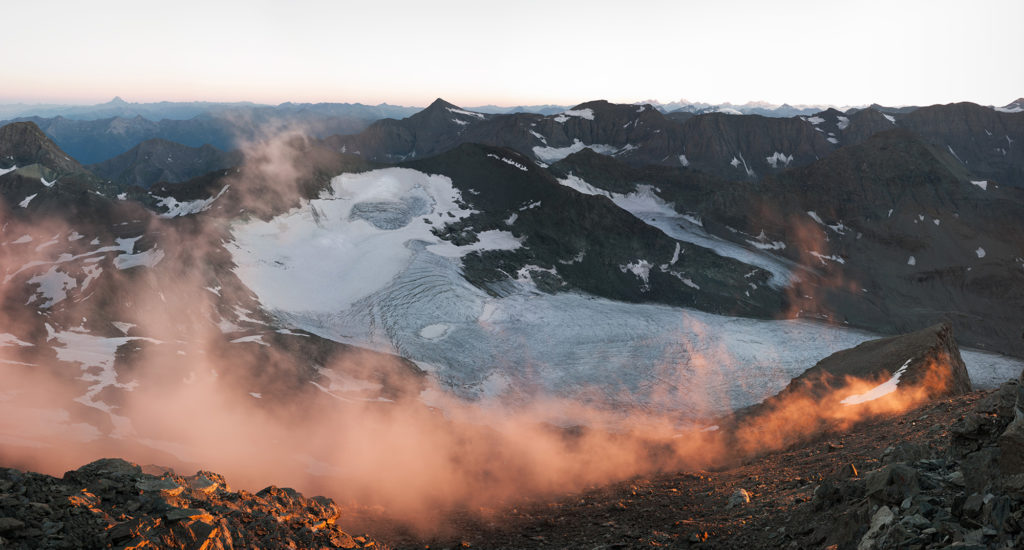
440 104
117 101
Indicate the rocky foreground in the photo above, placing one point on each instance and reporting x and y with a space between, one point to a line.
945 474
947 470
112 503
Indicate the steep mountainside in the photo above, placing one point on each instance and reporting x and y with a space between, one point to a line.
159 160
892 231
573 240
24 144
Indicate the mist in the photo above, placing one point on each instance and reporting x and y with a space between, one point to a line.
182 373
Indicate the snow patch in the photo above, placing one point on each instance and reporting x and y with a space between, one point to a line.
254 338
890 118
911 261
778 157
815 217
642 270
467 113
843 122
148 258
950 147
815 120
683 160
675 255
587 114
881 390
822 258
53 286
175 208
982 184
435 331
12 340
122 326
554 154
492 239
508 161
980 252
28 199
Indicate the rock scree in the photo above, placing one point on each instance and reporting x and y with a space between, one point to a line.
111 503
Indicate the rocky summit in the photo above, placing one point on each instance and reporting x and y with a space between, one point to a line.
111 503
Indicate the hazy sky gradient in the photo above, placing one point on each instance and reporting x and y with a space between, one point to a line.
521 52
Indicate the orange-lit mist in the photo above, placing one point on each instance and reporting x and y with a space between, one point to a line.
824 274
187 402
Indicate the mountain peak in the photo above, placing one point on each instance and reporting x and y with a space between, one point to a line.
440 104
25 143
117 101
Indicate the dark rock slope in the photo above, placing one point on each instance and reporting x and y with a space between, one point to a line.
585 242
966 494
159 160
23 144
111 503
892 233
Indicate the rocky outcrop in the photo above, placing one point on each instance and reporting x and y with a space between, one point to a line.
969 494
23 144
927 356
112 503
878 377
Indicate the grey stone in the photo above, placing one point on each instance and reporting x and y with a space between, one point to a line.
739 498
892 483
165 486
10 524
1011 442
880 520
972 506
917 521
956 478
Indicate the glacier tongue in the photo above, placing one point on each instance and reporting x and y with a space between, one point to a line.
350 281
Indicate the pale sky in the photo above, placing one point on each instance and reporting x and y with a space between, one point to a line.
894 52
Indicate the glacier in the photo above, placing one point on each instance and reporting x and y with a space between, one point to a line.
325 268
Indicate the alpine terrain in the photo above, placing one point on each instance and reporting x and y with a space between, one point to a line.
604 325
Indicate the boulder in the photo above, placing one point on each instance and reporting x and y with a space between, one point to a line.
739 498
927 357
921 365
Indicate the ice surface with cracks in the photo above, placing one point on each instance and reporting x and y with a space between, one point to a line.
365 227
388 291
